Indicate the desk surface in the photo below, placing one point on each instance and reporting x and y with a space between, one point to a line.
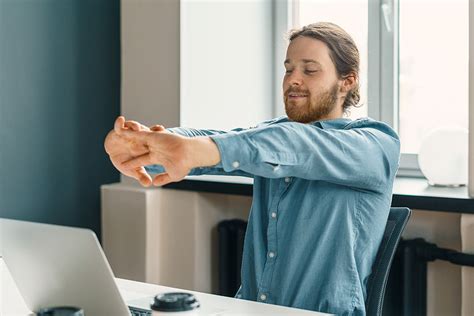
12 304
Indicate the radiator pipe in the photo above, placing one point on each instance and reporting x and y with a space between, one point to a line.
432 252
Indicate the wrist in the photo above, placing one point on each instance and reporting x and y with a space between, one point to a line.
203 152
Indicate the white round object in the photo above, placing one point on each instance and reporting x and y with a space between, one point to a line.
443 156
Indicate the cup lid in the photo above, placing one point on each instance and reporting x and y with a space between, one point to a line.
174 302
60 311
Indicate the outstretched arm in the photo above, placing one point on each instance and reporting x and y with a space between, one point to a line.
364 156
122 149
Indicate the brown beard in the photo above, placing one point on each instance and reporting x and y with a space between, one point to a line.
314 109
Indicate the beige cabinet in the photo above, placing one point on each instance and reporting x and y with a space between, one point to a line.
164 236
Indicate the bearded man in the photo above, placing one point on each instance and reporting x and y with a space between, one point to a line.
322 183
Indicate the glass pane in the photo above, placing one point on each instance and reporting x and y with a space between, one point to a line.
433 79
351 15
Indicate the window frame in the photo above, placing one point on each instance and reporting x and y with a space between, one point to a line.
284 12
383 72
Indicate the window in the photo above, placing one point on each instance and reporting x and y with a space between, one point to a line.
433 68
416 68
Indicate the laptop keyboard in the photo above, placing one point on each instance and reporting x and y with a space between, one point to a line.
139 312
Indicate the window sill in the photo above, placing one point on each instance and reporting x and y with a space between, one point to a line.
414 193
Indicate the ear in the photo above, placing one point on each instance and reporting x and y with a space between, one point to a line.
348 82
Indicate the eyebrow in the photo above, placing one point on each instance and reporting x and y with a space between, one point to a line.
306 61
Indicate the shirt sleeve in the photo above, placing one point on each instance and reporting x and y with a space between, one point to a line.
365 157
213 170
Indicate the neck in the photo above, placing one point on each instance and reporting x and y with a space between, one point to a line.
335 114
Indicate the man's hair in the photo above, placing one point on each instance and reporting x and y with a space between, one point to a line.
342 50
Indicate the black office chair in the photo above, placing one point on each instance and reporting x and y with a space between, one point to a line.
397 220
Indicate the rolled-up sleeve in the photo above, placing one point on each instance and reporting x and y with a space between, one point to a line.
362 157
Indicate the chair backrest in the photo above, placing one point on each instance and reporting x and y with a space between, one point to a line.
397 220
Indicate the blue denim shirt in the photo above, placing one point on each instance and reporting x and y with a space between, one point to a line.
321 198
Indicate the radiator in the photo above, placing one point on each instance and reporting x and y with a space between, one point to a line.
231 241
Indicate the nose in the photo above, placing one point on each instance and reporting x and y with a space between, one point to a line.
294 78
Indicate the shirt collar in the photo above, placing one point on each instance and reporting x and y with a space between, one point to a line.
338 123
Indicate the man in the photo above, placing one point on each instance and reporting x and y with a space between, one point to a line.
322 183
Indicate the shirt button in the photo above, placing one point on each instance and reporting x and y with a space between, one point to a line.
287 179
235 164
271 254
263 297
274 214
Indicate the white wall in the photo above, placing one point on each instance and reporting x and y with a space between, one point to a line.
150 61
201 84
226 63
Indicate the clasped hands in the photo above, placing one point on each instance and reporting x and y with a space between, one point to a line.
131 146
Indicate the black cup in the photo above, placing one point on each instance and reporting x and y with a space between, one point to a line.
60 311
174 302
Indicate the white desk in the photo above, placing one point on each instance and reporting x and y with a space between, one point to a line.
12 304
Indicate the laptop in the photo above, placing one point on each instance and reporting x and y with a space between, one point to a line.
63 266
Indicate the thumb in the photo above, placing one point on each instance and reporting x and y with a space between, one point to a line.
119 124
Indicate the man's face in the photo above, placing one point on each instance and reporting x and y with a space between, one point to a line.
310 86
